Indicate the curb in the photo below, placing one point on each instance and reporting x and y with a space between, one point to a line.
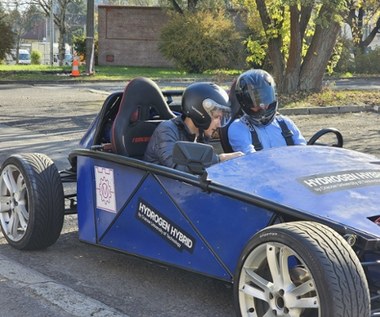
58 295
329 110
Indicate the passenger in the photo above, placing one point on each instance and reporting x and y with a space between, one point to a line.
204 107
261 126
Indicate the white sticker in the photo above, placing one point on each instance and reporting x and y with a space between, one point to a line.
105 189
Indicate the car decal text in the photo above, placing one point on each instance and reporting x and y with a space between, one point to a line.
157 222
330 182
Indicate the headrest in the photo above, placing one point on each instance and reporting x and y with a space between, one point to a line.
142 99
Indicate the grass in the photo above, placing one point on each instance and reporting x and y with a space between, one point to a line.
328 97
118 73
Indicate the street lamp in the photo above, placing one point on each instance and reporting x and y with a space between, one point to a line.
51 33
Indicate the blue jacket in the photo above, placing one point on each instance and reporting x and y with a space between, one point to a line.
161 144
240 136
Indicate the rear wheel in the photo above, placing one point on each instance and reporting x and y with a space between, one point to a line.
300 269
31 201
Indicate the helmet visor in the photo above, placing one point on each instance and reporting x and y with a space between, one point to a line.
264 115
255 89
262 97
215 109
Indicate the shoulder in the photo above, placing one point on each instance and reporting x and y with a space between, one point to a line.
238 123
285 119
280 116
168 125
166 130
236 126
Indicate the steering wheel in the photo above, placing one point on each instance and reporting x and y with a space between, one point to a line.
313 140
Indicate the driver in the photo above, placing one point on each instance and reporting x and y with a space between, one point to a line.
205 108
261 126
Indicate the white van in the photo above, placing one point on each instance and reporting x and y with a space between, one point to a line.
24 57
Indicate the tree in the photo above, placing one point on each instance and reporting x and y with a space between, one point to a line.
75 19
361 14
300 36
210 43
60 11
131 2
22 21
181 6
6 34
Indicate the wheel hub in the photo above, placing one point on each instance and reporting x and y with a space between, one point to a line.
278 303
12 200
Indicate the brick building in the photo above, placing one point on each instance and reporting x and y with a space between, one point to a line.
129 36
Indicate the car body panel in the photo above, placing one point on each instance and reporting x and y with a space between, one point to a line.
154 212
344 185
213 237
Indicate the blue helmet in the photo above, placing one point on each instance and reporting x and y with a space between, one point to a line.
256 93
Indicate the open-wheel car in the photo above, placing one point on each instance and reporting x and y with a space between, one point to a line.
295 229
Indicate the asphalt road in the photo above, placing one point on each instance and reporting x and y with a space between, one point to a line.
75 279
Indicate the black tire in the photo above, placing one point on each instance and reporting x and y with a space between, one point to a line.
319 276
32 201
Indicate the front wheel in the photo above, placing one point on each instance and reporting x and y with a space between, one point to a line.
31 201
300 269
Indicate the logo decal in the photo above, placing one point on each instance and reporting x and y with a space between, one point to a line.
173 234
325 183
105 189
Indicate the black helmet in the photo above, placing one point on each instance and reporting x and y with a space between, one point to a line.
256 88
199 100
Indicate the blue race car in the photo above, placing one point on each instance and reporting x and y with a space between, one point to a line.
295 229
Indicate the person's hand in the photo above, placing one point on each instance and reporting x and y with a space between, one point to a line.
228 156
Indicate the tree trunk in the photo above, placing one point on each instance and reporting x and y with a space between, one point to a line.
274 45
298 23
18 39
61 46
356 24
177 7
277 61
191 5
293 66
62 33
318 54
371 35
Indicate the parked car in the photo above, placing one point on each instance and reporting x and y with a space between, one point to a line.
295 229
24 57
